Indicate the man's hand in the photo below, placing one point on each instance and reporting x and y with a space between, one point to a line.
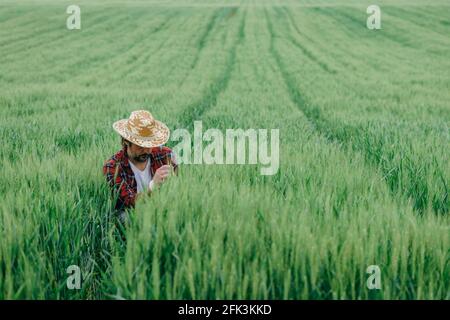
161 174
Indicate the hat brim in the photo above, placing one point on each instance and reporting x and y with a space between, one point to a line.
160 137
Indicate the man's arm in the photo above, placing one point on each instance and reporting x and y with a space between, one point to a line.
174 163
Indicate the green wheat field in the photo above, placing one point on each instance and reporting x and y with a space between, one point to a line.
364 171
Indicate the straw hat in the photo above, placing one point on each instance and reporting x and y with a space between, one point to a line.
142 129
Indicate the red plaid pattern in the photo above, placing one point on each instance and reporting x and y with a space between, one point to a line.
121 178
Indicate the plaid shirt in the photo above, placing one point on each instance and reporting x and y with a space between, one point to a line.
121 178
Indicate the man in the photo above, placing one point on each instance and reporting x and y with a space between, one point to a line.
143 163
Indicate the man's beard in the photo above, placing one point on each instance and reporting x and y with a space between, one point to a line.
141 158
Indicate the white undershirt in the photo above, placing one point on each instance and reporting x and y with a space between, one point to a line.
143 178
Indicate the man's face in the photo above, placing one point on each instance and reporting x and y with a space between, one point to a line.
137 153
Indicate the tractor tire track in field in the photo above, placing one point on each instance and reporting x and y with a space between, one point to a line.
60 73
48 31
424 12
347 19
325 128
118 55
100 62
435 13
23 38
10 13
62 38
415 19
143 59
324 66
196 110
206 33
26 17
202 40
296 97
347 64
70 68
319 46
355 29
